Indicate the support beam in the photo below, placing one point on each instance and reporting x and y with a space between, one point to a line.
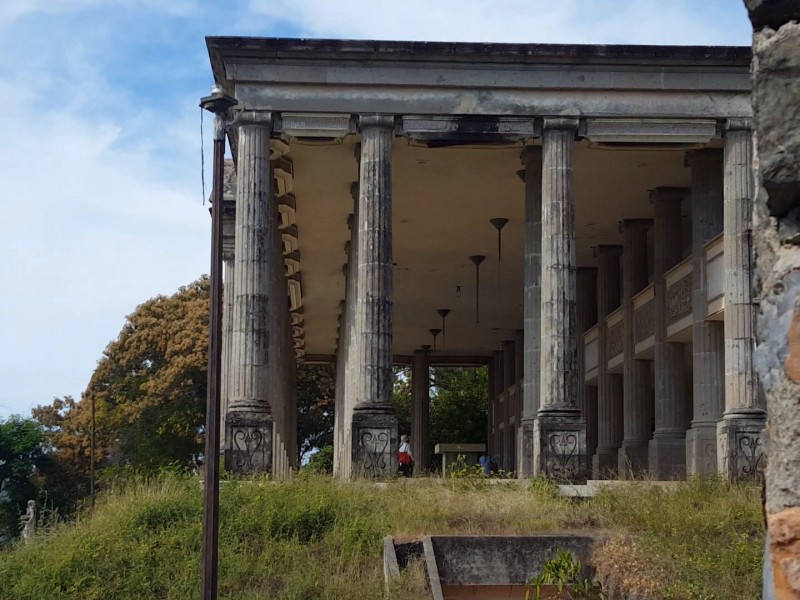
532 309
586 318
559 432
374 427
420 412
609 385
667 449
708 349
249 422
740 451
637 388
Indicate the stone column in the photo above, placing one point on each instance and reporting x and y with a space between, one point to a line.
637 397
559 432
532 176
249 422
509 378
586 318
609 385
739 444
338 401
346 358
667 449
227 334
708 353
420 412
374 427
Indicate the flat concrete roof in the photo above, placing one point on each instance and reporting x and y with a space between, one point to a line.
475 52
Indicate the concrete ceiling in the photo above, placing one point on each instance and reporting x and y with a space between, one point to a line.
443 199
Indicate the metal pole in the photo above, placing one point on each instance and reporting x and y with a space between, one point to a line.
217 103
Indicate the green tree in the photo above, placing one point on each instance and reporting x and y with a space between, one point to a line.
66 440
402 398
459 405
316 389
149 390
21 454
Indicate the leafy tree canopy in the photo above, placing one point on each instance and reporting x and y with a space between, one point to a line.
316 390
21 453
149 389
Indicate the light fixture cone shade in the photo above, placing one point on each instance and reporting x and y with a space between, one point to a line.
443 312
434 333
477 259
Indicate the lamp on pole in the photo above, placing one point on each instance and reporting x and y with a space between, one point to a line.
218 103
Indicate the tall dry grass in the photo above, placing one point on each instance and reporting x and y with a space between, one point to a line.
317 538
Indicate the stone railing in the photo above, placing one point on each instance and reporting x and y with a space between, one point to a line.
715 278
644 322
590 355
615 323
679 300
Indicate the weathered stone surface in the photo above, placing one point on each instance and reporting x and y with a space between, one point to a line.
257 262
609 386
772 13
532 159
708 345
249 436
667 449
374 425
776 99
637 390
784 527
559 437
776 87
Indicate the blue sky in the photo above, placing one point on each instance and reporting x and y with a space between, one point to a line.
100 167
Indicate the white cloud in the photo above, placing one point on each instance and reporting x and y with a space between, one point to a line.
519 21
100 165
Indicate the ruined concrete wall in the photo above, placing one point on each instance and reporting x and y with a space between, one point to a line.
776 245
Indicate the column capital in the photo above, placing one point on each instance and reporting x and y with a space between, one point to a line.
668 194
253 117
375 121
634 224
569 123
354 191
530 154
351 221
605 249
738 124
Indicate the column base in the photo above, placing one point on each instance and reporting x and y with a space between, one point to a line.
632 461
559 447
667 458
374 442
701 449
249 436
525 436
741 447
604 463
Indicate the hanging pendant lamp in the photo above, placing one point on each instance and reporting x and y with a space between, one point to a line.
477 259
443 312
434 333
498 223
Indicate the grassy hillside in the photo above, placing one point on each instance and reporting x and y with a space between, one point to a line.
314 538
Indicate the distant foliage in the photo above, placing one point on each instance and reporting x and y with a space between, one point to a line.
149 390
21 457
321 462
459 405
316 389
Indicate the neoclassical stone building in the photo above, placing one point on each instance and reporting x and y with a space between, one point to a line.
575 217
